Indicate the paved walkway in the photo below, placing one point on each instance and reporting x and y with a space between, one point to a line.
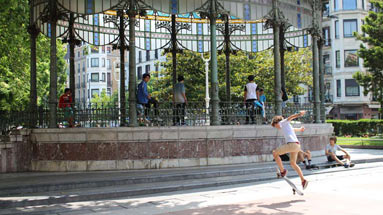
38 178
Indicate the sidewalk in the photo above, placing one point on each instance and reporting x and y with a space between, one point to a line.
39 188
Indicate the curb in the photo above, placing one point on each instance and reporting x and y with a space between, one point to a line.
361 147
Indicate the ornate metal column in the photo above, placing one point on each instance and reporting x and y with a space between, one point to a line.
274 20
132 8
33 32
122 47
53 17
173 28
321 71
173 33
316 33
227 30
227 63
72 42
214 67
321 82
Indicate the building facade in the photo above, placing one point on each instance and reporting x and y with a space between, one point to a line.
341 18
97 69
344 97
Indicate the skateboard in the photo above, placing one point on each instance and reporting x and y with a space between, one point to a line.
295 189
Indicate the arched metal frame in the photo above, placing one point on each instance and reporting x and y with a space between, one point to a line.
152 25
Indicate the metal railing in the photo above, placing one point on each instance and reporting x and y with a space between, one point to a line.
164 114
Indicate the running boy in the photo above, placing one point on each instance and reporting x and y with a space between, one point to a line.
292 145
330 151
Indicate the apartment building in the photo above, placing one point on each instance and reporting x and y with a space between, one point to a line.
97 68
344 98
341 18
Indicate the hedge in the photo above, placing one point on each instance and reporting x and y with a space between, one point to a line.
359 128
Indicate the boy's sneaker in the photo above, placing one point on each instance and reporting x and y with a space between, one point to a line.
304 184
284 173
308 166
346 165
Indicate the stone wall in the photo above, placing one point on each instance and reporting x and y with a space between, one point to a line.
15 152
87 149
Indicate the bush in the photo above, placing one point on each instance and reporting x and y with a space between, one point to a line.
362 127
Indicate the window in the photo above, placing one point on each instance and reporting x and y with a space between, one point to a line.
156 54
94 62
337 59
94 49
103 62
139 72
109 92
326 36
147 69
139 56
296 99
327 64
87 63
78 68
326 9
88 94
363 4
147 55
84 51
78 54
336 29
94 77
95 92
108 79
336 5
103 49
108 64
349 4
338 88
83 66
103 77
352 87
349 27
350 58
108 50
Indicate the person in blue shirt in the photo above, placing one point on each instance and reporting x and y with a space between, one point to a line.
260 103
145 99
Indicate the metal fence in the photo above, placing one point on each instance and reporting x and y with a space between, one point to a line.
164 114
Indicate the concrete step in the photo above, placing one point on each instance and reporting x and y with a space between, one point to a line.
152 187
61 182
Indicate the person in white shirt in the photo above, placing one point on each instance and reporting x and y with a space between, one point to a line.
251 95
292 145
331 150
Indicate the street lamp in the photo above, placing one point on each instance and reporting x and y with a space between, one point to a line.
207 98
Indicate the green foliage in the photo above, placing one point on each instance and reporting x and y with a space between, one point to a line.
356 127
15 58
104 100
372 55
191 66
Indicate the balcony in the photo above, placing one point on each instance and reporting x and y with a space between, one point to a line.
327 70
328 98
327 43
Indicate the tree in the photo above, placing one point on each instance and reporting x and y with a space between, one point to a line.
15 58
372 54
104 100
260 64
